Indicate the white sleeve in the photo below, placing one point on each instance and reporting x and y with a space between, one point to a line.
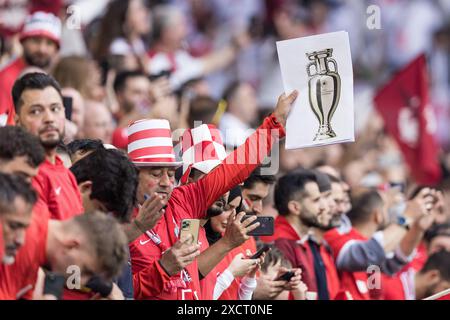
246 288
222 283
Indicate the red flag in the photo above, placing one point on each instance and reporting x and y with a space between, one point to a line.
404 105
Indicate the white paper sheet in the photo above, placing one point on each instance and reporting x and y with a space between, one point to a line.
302 126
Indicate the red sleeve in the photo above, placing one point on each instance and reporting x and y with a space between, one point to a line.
1 243
150 281
336 241
236 167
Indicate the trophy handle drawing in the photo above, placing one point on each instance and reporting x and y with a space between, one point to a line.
330 60
308 69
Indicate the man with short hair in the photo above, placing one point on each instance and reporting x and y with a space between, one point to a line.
80 148
20 152
255 189
16 201
40 41
433 278
93 241
304 214
40 110
369 216
132 89
98 122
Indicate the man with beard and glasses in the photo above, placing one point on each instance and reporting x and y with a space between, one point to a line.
304 215
369 216
40 41
40 110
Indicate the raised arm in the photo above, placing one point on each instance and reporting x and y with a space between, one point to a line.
239 164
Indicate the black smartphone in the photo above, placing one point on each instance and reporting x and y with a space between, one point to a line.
266 225
99 285
287 276
54 284
258 253
68 102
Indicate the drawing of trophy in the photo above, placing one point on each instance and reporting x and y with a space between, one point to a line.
324 90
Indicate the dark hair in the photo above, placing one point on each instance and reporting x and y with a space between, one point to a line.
114 180
436 231
273 257
17 142
106 238
231 90
62 148
202 108
122 77
363 206
256 177
333 179
111 27
439 261
289 186
417 190
11 187
84 145
34 80
323 181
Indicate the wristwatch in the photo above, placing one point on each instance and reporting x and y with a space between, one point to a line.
403 222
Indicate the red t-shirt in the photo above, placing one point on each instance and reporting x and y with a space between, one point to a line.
191 201
208 283
353 282
282 230
2 245
18 280
8 76
232 292
58 190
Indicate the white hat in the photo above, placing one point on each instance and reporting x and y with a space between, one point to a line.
150 143
42 24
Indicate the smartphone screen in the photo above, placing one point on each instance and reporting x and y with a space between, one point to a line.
266 226
68 102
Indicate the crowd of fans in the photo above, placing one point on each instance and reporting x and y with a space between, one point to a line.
126 118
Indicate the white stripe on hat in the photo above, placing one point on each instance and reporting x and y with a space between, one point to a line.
162 155
147 124
150 142
200 134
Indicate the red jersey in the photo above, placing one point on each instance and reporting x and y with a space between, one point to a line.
8 76
58 190
419 259
353 282
191 201
232 292
18 280
2 245
282 230
208 283
299 253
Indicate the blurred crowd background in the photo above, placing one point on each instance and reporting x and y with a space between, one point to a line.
215 61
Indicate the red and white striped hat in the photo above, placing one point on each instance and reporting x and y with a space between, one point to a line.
150 143
42 24
202 148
